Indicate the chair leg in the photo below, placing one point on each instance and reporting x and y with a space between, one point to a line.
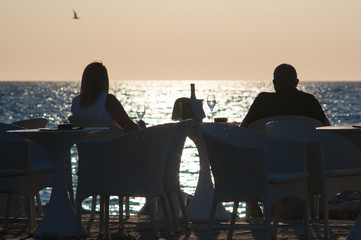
166 215
93 208
316 206
325 216
101 215
184 210
34 214
248 212
172 211
149 204
211 219
121 214
267 217
127 207
40 206
233 220
276 218
7 210
31 214
106 215
78 212
306 222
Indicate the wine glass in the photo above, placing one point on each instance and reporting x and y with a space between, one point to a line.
140 111
211 102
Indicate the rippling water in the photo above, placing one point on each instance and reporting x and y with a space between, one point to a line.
52 100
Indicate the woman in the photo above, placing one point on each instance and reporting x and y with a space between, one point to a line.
95 103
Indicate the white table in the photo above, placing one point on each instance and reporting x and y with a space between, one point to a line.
353 134
200 206
59 217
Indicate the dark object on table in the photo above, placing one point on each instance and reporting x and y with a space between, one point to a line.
188 108
220 119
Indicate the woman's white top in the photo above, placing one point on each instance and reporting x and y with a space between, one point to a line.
95 112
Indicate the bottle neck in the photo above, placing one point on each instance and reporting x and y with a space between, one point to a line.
193 91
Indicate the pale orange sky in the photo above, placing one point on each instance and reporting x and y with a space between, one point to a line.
180 39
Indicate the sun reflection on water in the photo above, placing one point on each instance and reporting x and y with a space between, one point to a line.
52 100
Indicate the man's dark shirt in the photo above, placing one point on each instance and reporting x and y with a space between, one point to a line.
286 102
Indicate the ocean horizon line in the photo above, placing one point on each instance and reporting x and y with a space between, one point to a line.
183 80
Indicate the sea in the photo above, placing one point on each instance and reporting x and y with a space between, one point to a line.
20 100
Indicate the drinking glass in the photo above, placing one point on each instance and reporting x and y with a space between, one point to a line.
211 101
140 111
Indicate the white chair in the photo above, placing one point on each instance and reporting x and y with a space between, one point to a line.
171 174
33 123
16 175
251 166
112 132
260 124
333 161
131 165
42 166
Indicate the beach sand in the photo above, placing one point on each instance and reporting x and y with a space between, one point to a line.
290 229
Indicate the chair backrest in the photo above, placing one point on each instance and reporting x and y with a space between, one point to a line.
291 130
37 151
275 147
171 174
315 157
15 155
338 152
234 166
112 132
249 150
130 165
260 124
32 123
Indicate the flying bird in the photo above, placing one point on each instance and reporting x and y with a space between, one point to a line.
75 15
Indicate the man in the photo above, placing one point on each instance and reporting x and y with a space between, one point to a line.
287 100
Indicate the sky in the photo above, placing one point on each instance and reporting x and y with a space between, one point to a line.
180 39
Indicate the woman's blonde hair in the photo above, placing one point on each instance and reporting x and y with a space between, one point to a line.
94 82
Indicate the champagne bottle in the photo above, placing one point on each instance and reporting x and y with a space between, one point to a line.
193 92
